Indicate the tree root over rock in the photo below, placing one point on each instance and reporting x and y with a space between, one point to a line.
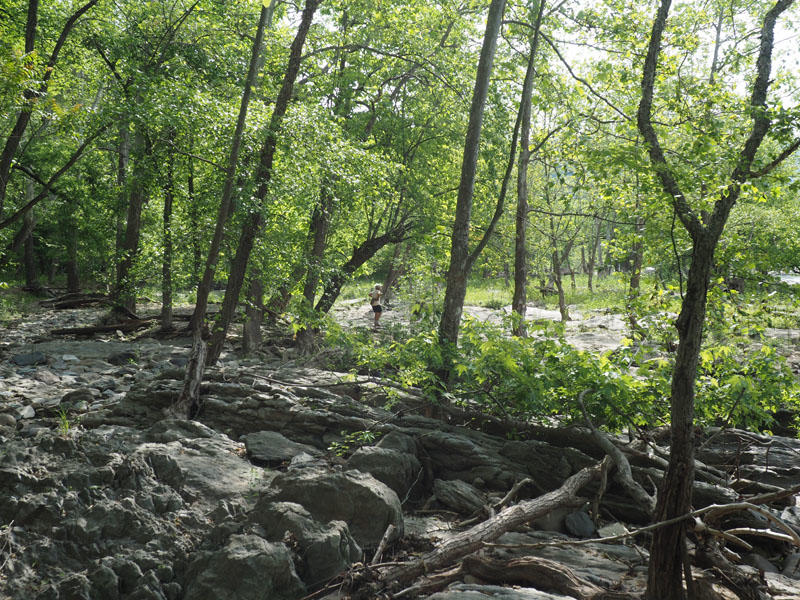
388 581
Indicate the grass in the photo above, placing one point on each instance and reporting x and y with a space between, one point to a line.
14 303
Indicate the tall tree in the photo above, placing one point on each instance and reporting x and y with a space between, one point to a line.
668 555
458 270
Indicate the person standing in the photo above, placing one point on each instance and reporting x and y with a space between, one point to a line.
375 301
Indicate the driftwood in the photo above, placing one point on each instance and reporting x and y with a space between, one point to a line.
124 326
74 300
541 573
391 579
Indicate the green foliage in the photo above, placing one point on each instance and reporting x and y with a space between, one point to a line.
353 441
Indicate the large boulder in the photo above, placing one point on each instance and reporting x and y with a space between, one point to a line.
459 496
399 470
324 549
247 568
463 591
272 449
364 503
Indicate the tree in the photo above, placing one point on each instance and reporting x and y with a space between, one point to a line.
460 263
668 551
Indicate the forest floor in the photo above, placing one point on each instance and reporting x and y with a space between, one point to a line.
293 475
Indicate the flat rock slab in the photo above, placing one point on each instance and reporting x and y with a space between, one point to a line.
271 449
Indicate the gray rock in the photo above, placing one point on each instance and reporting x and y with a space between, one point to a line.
105 583
791 566
466 591
7 420
324 550
579 524
78 396
247 568
394 440
364 503
172 430
46 376
26 412
459 496
29 359
759 562
271 449
122 358
399 470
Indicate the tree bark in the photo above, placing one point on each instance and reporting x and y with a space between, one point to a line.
124 292
124 146
253 223
469 541
361 254
224 210
254 314
28 251
458 270
666 568
166 259
519 302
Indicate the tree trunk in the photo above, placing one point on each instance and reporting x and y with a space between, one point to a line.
254 314
593 254
194 223
668 550
125 290
73 274
361 254
28 251
562 303
124 149
204 288
519 303
637 256
397 268
253 223
166 263
318 231
458 271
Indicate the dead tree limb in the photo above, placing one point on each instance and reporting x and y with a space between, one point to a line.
467 542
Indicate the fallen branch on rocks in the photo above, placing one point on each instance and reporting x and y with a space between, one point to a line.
541 573
74 300
453 550
124 326
624 475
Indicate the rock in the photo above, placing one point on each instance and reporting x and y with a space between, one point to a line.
78 396
46 376
26 412
397 469
271 449
612 530
7 420
29 359
470 591
759 562
122 358
105 583
173 430
579 524
247 568
324 550
791 566
364 503
459 496
394 440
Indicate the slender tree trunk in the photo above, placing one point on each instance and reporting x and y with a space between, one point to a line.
204 288
194 223
668 550
637 257
253 223
123 157
562 303
73 273
318 231
519 303
458 270
166 264
28 251
361 255
125 291
590 267
397 269
254 314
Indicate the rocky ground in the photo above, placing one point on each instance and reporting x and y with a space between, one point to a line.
293 475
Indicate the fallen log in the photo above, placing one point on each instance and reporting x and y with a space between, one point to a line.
543 574
391 579
124 326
